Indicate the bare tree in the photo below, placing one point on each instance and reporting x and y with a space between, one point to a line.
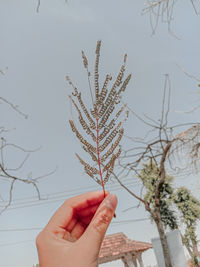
162 10
9 174
164 148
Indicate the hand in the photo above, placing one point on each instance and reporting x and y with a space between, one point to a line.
74 234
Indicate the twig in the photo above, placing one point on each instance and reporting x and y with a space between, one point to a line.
15 107
38 6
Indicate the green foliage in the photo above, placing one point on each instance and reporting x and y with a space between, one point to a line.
180 200
188 205
150 178
189 208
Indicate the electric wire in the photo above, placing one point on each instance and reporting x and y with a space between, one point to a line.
16 243
60 197
117 223
113 223
71 190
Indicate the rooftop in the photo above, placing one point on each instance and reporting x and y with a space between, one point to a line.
115 246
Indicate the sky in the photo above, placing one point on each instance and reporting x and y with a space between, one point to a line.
40 49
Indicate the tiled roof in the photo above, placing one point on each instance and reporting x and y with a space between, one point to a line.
117 245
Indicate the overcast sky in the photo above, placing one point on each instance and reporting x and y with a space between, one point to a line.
40 49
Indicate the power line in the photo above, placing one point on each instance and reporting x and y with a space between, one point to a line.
74 190
62 195
58 198
113 223
20 229
129 221
16 243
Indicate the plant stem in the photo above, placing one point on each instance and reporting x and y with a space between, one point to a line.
99 162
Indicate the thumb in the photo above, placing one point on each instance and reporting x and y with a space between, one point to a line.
96 230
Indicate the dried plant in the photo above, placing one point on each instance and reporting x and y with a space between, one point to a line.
103 127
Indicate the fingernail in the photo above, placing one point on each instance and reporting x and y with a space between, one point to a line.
111 201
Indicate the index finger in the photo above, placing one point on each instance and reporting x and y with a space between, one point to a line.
70 207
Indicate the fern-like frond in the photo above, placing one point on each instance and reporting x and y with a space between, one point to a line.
83 122
110 163
92 123
104 127
113 146
104 89
93 170
80 137
109 127
113 92
113 102
110 138
111 166
94 158
96 70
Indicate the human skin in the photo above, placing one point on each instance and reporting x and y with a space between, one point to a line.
74 234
